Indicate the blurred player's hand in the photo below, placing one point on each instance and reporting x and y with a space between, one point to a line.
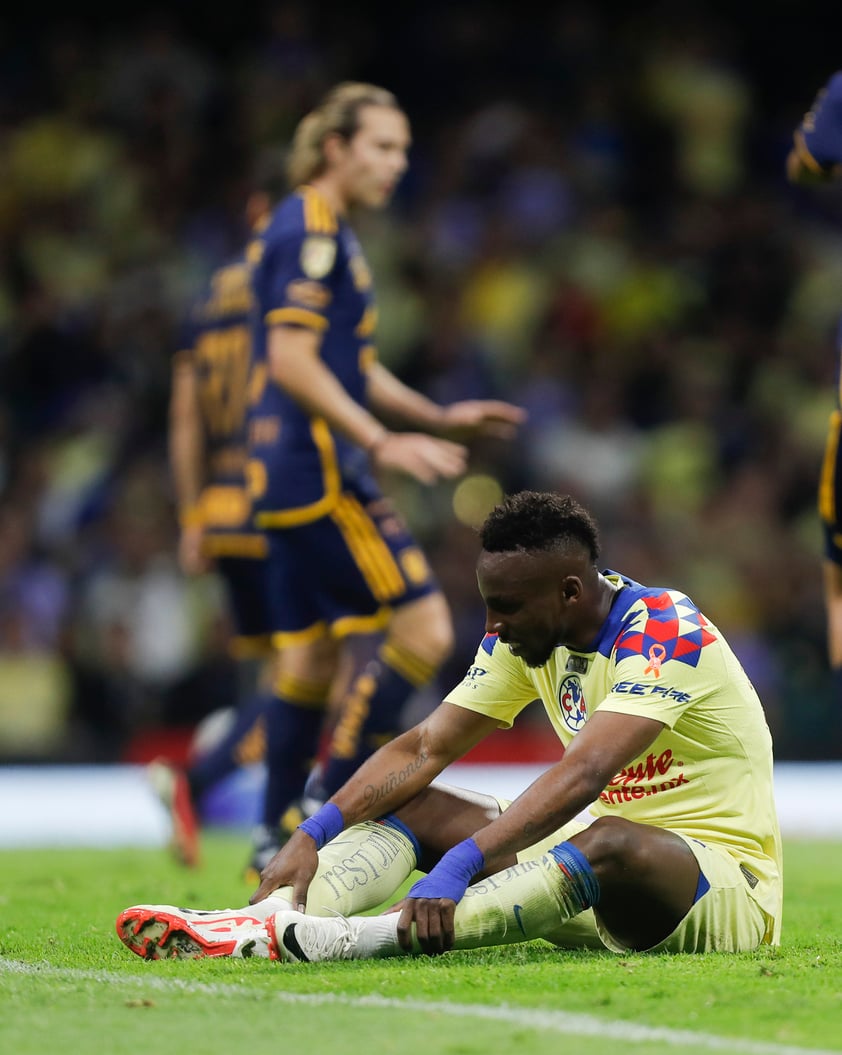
293 865
482 417
191 560
426 458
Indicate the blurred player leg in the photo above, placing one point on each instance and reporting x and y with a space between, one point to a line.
419 638
829 491
832 577
215 754
294 725
351 574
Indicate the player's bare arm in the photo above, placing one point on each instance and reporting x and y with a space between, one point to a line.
385 782
187 462
409 763
607 742
456 421
295 364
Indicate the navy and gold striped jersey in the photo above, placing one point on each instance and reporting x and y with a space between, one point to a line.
818 140
218 344
818 146
309 270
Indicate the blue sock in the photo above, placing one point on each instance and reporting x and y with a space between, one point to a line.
389 820
577 868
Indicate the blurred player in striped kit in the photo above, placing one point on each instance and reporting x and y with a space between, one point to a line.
816 157
339 562
207 446
208 453
341 559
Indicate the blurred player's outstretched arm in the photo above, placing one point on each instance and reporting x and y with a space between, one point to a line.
462 420
187 461
295 365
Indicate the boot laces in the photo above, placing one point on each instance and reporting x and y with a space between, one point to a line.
327 939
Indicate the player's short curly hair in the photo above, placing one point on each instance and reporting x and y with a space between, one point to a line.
539 520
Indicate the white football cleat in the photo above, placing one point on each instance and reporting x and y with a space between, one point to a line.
159 932
299 938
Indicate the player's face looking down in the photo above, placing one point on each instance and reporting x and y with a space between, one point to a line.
532 602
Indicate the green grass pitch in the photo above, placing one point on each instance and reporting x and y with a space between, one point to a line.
68 984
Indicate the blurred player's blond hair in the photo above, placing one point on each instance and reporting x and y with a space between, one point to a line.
337 114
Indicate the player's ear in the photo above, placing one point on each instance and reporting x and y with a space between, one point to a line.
333 147
571 587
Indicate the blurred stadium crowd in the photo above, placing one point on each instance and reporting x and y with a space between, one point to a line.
596 225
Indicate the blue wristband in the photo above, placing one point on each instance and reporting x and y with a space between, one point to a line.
450 877
324 825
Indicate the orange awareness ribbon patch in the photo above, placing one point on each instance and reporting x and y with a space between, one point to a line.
657 655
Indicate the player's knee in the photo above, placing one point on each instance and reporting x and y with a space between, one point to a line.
436 644
425 628
611 844
316 661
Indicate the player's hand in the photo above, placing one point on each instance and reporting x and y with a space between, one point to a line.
426 458
293 865
191 559
482 417
433 921
431 901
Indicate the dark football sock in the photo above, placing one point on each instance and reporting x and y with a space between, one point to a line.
293 729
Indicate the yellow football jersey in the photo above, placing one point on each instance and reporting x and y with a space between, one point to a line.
708 775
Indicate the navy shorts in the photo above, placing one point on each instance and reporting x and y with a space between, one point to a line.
245 580
345 572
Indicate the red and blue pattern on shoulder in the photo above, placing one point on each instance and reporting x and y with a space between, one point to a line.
488 642
671 627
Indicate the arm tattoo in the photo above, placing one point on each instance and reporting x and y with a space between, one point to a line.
373 794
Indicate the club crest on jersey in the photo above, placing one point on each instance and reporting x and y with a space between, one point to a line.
571 700
317 256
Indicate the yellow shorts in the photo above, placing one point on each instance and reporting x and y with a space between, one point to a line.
725 919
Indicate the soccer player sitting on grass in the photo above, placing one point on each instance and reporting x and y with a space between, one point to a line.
664 738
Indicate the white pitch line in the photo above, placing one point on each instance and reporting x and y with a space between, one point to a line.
524 1018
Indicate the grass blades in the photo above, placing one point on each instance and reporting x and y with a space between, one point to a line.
66 980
